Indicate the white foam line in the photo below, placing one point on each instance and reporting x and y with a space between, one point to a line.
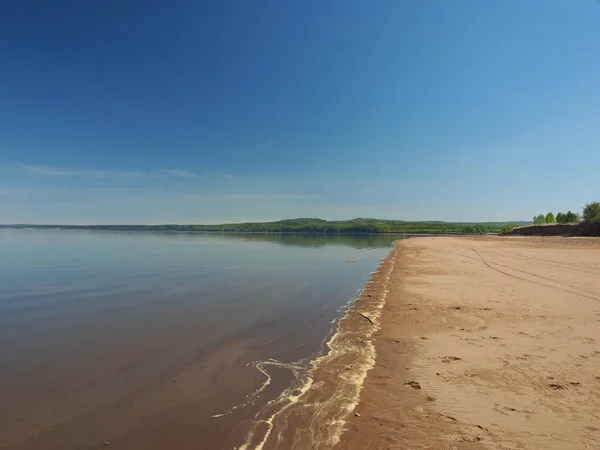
269 422
357 381
370 363
251 398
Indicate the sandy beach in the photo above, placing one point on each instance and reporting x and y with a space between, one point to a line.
484 343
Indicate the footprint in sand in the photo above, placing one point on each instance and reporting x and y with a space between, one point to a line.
383 377
481 328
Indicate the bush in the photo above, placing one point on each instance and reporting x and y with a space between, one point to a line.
561 218
591 212
550 218
572 217
509 226
538 220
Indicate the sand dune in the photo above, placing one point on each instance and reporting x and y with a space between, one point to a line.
486 343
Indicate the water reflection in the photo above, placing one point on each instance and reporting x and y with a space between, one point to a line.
95 321
359 241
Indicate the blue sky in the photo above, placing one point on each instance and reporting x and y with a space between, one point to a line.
188 111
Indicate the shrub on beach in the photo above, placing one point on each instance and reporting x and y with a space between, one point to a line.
591 212
572 217
509 226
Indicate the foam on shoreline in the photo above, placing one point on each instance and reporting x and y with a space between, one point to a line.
312 413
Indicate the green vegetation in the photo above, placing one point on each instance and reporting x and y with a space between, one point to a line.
569 217
591 212
572 217
509 226
590 226
354 226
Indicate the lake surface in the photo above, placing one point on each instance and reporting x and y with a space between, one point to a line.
155 341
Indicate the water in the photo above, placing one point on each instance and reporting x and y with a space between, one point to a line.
153 341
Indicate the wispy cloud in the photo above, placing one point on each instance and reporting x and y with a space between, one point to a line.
199 196
269 197
59 172
255 196
181 173
121 190
7 190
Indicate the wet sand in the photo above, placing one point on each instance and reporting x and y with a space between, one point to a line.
314 414
484 343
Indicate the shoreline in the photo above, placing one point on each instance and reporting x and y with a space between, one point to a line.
192 372
226 232
485 342
330 390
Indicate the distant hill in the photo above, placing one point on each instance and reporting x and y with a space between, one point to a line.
311 225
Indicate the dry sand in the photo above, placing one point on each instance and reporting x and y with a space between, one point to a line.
485 343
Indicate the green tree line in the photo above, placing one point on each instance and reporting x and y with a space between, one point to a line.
309 225
591 214
568 217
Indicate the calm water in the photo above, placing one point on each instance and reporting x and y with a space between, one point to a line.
139 339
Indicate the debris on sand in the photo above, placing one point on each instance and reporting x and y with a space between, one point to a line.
448 359
368 318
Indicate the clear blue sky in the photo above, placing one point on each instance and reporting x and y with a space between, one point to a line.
176 111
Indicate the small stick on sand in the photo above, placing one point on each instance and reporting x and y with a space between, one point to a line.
365 317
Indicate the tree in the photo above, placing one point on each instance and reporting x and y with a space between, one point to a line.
561 218
538 220
509 226
591 212
572 217
549 218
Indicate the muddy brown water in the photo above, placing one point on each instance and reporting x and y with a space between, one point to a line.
155 341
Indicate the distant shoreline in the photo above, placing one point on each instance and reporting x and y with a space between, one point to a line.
358 226
305 233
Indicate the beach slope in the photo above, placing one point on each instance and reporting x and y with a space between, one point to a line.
485 343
